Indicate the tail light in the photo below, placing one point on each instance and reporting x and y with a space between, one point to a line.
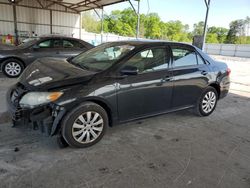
228 71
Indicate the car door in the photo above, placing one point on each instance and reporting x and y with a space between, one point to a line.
43 48
191 75
150 91
71 47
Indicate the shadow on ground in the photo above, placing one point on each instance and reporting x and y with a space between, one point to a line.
173 150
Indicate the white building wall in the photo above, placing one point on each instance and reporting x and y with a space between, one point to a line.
6 12
6 20
6 28
66 24
37 20
32 15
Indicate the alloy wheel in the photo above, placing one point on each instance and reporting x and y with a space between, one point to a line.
208 102
87 127
13 68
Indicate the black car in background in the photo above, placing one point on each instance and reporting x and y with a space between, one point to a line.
13 60
115 83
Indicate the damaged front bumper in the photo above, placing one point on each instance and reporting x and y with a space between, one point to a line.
46 118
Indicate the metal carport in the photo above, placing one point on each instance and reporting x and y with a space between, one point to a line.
22 17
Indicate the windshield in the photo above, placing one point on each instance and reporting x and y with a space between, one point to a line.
102 57
28 42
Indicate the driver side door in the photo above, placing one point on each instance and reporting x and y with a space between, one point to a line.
150 91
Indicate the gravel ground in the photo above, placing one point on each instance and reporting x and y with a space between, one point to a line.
173 150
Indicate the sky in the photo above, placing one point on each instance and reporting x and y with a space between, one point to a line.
221 13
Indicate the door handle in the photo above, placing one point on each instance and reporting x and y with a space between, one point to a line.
166 79
204 72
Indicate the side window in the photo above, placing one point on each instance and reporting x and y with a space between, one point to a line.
45 44
200 60
150 60
57 43
184 57
68 44
78 44
72 44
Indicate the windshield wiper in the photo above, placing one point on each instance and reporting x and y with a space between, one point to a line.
80 66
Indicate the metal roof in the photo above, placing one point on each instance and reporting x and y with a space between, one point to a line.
83 5
74 6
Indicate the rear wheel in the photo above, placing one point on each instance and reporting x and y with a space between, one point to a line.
207 102
85 125
12 68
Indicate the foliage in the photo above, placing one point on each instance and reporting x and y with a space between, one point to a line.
198 28
90 23
220 33
151 26
238 31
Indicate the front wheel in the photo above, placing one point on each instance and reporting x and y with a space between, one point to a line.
207 102
85 125
12 68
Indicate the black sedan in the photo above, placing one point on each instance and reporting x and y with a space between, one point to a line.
115 83
13 60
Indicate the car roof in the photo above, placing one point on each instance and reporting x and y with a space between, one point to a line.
57 36
148 42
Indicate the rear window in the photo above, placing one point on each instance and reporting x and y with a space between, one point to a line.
72 44
184 57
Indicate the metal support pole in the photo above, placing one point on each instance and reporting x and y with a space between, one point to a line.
15 24
207 2
80 26
138 21
102 26
102 20
50 14
138 17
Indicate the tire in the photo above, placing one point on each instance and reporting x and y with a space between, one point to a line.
12 67
206 104
61 142
85 125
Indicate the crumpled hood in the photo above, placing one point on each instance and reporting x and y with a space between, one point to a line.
49 73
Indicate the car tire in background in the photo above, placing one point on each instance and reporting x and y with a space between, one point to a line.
85 125
206 104
12 67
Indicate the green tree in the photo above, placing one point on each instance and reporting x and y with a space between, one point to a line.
121 22
212 38
236 29
152 26
198 28
175 31
90 22
220 32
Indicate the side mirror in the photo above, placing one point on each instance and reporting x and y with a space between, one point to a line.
70 58
129 70
35 47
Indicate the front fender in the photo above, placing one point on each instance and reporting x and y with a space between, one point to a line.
69 105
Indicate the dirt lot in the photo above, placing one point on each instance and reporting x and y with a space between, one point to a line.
174 150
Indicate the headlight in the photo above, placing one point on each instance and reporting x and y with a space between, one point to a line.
34 99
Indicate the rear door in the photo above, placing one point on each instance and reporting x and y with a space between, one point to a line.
191 75
150 91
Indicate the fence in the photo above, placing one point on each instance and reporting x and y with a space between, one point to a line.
241 50
96 39
238 50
